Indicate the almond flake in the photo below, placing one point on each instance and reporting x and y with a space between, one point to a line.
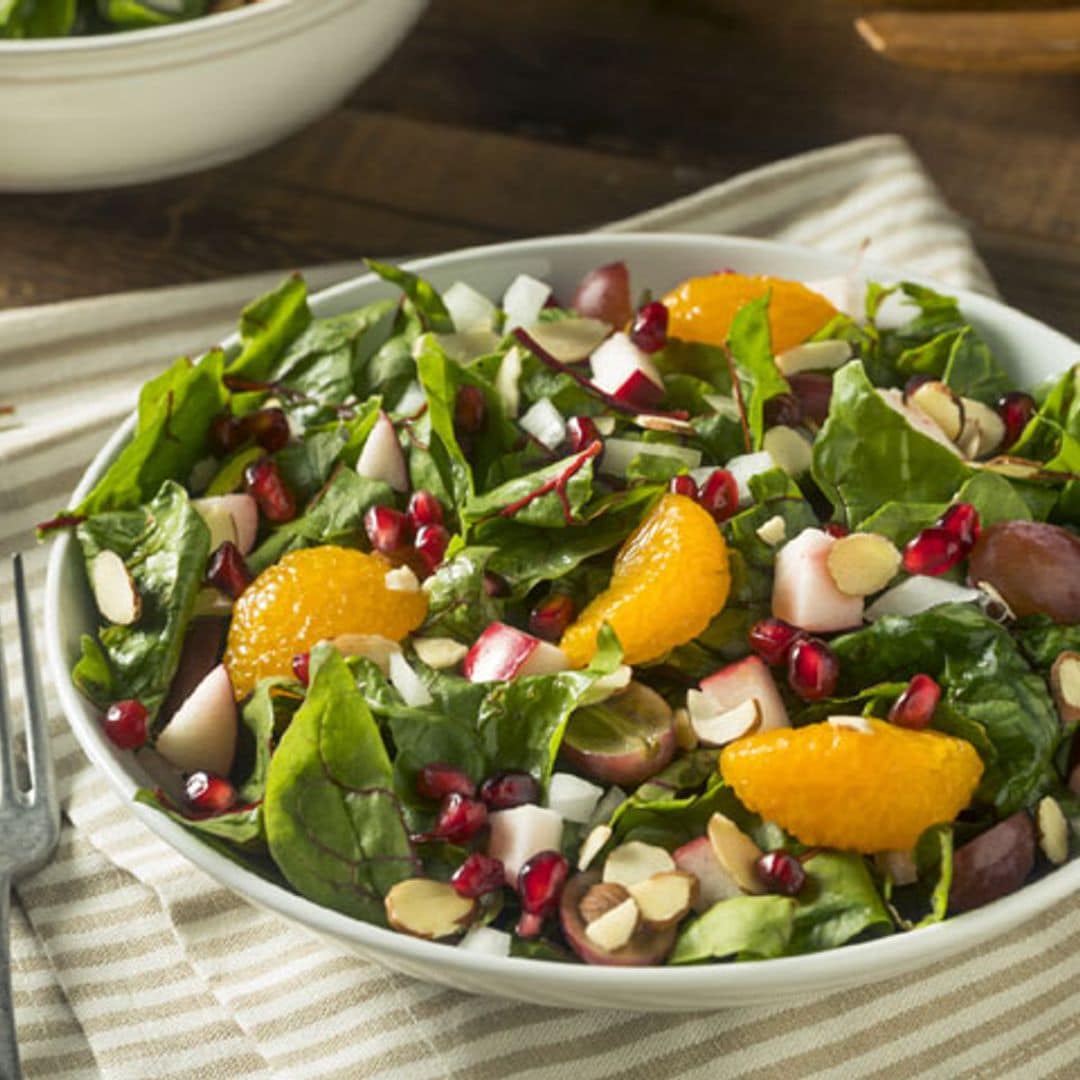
1053 829
773 532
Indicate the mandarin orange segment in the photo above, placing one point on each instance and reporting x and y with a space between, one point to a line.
701 309
309 596
835 786
669 580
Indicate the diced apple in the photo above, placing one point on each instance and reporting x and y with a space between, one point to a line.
622 370
114 589
243 512
381 458
523 301
218 520
917 419
487 941
469 309
520 833
714 882
920 593
508 379
572 798
745 680
743 467
804 592
503 652
203 644
544 423
202 733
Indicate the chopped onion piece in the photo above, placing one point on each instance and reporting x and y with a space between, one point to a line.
618 453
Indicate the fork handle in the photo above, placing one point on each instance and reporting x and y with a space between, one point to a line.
9 1048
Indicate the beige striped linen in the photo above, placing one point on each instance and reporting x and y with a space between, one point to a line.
130 963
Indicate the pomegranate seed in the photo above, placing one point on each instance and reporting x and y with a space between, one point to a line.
460 818
720 494
812 669
933 552
226 433
1015 409
914 708
301 666
431 542
836 530
227 570
962 520
772 639
478 875
494 585
781 872
437 780
505 790
783 409
914 383
683 484
425 509
649 332
125 724
540 882
528 925
550 618
268 427
388 530
263 481
814 392
581 433
470 410
208 793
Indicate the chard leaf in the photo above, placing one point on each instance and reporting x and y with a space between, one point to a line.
926 901
458 602
240 828
973 372
306 464
333 823
263 720
751 350
1043 640
268 326
838 902
746 927
423 297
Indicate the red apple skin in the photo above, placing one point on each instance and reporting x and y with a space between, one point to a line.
647 948
714 882
604 293
994 864
203 645
498 653
639 391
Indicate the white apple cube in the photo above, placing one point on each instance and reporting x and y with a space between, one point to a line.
503 652
804 592
381 458
202 733
748 679
520 833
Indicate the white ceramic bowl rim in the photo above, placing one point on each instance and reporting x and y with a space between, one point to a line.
847 963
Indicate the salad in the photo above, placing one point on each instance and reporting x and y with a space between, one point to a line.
734 623
61 18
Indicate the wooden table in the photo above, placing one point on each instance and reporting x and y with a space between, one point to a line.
504 118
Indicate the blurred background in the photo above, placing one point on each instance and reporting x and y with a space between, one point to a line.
500 119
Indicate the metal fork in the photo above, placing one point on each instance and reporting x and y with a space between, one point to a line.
29 820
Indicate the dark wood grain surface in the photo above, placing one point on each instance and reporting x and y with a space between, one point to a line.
499 119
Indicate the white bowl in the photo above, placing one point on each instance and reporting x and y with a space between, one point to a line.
1030 349
123 108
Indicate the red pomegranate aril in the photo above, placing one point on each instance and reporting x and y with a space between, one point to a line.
125 724
460 818
505 790
781 872
208 793
836 530
264 482
227 570
301 666
683 484
540 882
431 543
813 669
962 520
1015 409
649 332
425 509
914 708
268 427
772 639
478 875
550 618
581 433
226 434
933 551
529 925
783 409
719 494
470 410
814 392
388 530
437 780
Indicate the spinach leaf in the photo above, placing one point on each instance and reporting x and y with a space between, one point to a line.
758 375
972 370
1043 640
306 464
91 673
263 720
838 902
925 902
333 822
746 927
241 828
458 602
37 18
423 297
164 545
268 326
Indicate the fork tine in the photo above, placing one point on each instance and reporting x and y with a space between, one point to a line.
8 787
38 752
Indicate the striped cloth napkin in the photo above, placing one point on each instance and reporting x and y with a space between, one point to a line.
128 962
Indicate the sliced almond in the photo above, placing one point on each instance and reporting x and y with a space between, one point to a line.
440 652
670 424
852 723
370 646
428 909
633 862
863 563
685 738
721 728
615 929
593 845
572 339
735 852
1053 829
937 401
401 579
600 899
813 356
1065 685
993 603
970 439
899 865
984 430
114 589
665 898
773 532
791 451
1014 468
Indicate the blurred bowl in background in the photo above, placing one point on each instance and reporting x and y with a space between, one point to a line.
113 109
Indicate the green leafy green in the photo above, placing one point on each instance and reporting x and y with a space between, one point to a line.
458 602
552 497
838 902
268 326
242 827
427 302
746 927
751 350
